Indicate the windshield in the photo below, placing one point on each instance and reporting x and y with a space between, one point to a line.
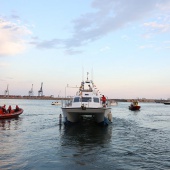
96 100
76 99
86 99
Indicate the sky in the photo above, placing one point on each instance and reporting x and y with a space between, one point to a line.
124 45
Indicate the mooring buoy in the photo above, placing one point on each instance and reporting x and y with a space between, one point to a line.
60 119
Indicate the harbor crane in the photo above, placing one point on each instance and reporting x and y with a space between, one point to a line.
40 92
31 92
6 93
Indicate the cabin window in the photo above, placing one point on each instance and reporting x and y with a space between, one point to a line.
76 99
96 100
86 99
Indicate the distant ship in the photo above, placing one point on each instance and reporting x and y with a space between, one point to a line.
167 103
55 103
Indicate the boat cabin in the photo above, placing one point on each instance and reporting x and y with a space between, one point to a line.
87 95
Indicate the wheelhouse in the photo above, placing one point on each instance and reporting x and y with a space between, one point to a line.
86 99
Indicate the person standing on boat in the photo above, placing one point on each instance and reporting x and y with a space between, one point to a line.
4 108
9 109
82 85
17 108
103 99
90 87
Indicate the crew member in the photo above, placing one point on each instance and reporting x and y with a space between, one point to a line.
4 108
17 108
103 99
9 109
90 87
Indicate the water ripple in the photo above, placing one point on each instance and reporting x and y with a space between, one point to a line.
36 140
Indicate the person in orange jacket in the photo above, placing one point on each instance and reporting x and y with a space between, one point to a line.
4 108
17 108
9 109
103 99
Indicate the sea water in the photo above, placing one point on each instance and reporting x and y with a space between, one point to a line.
136 140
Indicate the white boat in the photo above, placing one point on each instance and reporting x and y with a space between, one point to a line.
55 103
113 103
167 103
87 101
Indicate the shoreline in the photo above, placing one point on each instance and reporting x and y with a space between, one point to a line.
34 97
69 98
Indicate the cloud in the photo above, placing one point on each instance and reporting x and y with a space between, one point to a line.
125 37
106 48
146 46
2 64
158 27
12 37
164 5
72 52
49 43
109 16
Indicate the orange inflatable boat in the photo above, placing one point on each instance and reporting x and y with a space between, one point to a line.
10 113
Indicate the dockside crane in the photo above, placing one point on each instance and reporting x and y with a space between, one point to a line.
31 92
40 92
6 93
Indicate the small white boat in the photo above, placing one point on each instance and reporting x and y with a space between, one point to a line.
167 103
113 103
87 101
55 103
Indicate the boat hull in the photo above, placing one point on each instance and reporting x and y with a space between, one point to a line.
134 108
11 115
100 115
167 103
55 103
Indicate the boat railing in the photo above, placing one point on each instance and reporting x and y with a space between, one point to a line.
86 90
107 104
66 103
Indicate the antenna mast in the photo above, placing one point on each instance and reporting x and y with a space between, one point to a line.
82 73
92 74
87 76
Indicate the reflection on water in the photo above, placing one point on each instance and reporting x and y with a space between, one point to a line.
36 140
83 145
85 133
8 124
